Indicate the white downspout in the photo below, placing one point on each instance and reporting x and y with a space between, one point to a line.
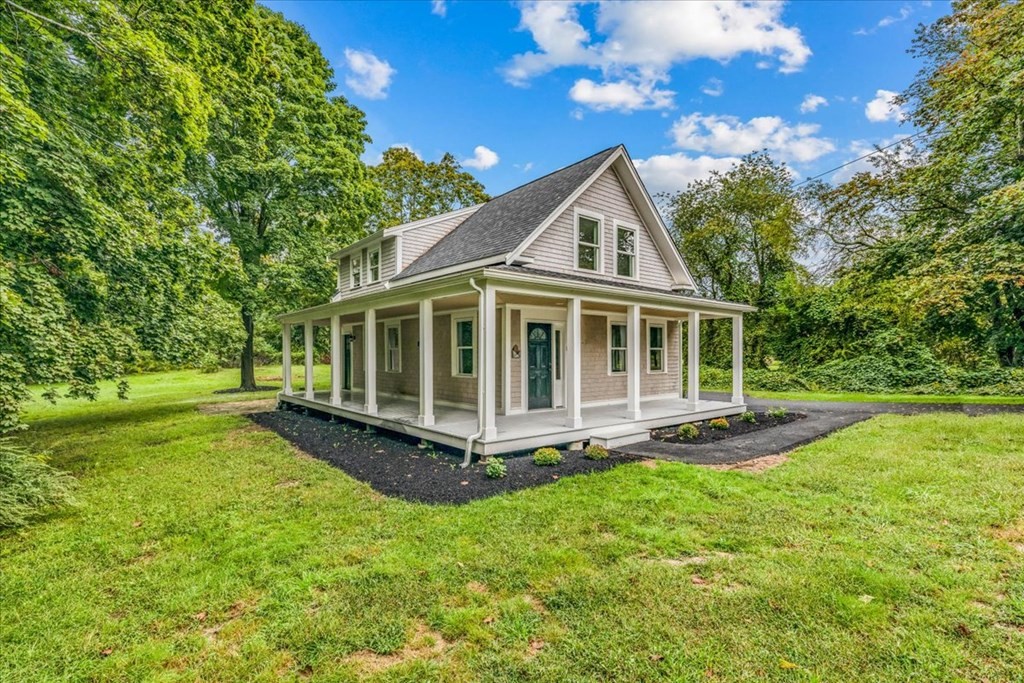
480 380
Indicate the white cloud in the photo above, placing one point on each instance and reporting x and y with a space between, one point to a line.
882 108
889 20
622 96
370 76
439 7
482 159
577 114
639 42
672 172
729 135
713 88
812 103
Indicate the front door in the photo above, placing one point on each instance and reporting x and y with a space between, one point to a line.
538 368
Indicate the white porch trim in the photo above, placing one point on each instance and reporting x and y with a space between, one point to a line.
693 360
286 359
737 359
308 339
426 415
370 361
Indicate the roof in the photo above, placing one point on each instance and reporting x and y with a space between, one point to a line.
502 224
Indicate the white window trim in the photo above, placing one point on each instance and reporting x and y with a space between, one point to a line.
576 214
611 322
456 319
397 325
664 347
352 270
369 268
635 229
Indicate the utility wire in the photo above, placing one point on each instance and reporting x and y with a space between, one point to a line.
861 158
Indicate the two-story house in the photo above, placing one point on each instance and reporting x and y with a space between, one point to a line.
556 312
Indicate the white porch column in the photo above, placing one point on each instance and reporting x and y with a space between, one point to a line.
286 359
309 360
336 360
693 360
737 358
426 418
573 364
370 361
486 363
633 362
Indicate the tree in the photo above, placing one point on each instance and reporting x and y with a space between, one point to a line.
415 189
97 120
280 177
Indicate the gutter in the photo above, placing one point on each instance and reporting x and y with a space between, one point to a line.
479 385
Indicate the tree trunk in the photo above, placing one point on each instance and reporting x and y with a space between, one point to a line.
248 362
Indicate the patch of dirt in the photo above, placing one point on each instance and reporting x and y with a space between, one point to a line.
424 644
754 465
737 427
238 390
693 559
269 378
649 463
1012 534
392 464
237 407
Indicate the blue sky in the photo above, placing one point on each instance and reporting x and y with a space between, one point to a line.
516 90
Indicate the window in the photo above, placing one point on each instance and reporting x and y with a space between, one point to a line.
355 266
393 347
463 347
588 243
625 251
373 265
656 348
617 348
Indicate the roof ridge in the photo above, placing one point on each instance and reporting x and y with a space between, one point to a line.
551 173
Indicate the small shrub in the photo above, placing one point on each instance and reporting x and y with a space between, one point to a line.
496 468
688 431
718 423
28 486
778 412
749 416
595 452
209 364
547 456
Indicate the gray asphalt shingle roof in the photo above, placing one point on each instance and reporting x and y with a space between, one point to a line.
501 225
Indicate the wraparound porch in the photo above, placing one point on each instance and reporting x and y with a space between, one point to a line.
454 425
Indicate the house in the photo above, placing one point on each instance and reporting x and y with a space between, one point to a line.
554 313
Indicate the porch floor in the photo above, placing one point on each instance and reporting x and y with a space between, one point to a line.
453 425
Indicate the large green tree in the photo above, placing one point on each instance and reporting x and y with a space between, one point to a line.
280 177
415 189
102 262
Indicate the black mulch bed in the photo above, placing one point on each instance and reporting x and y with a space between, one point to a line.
239 390
737 427
392 463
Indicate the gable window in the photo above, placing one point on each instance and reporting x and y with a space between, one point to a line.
373 265
617 348
393 347
656 348
355 267
588 243
625 251
463 347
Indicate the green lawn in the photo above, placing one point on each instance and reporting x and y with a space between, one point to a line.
206 549
886 398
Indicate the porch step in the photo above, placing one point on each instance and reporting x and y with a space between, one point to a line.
619 435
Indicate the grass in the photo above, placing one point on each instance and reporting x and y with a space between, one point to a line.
206 549
887 398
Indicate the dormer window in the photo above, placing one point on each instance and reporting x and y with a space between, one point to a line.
355 267
588 243
373 265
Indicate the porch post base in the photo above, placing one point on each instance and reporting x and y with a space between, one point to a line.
489 434
370 409
335 401
574 422
737 399
632 414
692 406
426 420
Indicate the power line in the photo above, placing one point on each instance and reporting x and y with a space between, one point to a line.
861 158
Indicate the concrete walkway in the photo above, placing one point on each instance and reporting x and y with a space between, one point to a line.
822 419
